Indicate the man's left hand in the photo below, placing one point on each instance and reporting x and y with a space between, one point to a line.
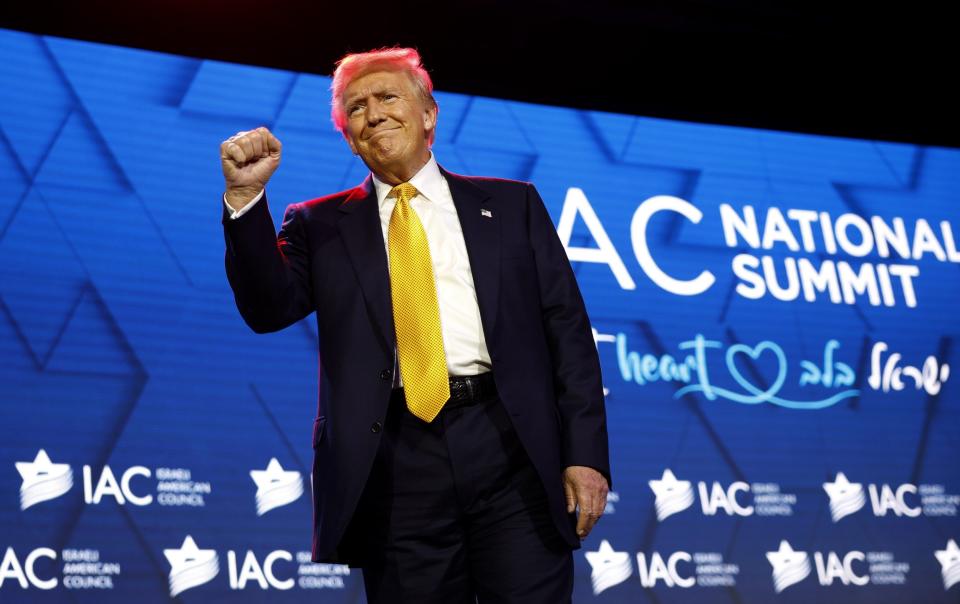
585 489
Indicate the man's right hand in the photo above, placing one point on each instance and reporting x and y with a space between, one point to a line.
248 160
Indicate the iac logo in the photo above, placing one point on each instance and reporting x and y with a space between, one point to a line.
789 566
25 573
658 569
44 480
609 568
107 485
674 496
677 569
833 567
275 486
855 568
261 573
82 569
192 567
848 497
948 557
845 497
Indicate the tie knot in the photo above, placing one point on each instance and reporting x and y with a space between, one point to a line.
404 191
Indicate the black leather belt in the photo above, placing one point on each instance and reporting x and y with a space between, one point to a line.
470 389
465 390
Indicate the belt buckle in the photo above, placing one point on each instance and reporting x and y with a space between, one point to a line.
457 390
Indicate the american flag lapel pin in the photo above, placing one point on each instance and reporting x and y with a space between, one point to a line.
486 213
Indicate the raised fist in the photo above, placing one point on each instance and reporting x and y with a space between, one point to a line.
248 160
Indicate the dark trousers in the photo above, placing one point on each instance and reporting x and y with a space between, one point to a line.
454 512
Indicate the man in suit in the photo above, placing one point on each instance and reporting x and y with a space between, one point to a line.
460 441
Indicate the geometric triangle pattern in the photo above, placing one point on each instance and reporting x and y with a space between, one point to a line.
126 363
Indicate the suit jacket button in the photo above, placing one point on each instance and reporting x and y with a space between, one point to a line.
376 427
385 374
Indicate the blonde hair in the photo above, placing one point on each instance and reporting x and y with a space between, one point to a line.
354 65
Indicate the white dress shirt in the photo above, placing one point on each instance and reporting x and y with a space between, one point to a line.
463 340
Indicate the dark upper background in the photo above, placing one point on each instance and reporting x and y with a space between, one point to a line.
870 72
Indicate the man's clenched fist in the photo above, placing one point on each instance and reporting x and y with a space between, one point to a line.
248 160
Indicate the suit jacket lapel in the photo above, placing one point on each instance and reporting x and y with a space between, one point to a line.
363 238
481 233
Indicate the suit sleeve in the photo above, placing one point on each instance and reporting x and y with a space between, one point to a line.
269 273
234 214
577 381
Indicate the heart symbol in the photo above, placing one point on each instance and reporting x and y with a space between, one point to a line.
760 396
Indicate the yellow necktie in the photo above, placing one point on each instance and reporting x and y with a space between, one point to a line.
416 313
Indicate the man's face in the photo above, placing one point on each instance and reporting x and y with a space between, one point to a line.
388 123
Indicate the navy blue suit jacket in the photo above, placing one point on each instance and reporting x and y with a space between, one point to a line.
329 258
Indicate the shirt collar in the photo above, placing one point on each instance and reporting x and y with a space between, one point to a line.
428 181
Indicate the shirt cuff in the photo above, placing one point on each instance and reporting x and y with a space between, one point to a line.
234 214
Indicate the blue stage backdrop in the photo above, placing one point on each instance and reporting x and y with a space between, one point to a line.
775 315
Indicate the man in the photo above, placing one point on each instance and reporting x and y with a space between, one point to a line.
460 442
